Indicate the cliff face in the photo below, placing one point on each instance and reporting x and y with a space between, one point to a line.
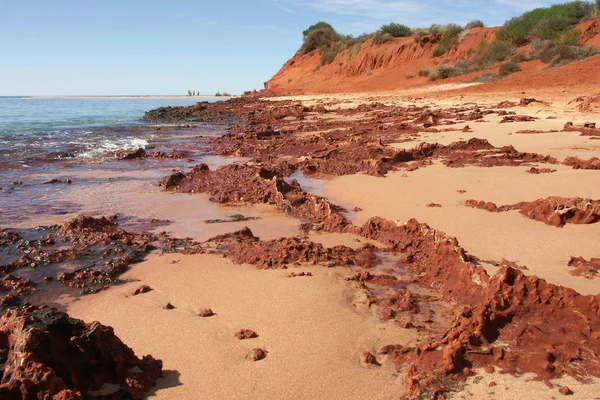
385 67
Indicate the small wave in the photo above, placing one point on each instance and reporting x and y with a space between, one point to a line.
103 148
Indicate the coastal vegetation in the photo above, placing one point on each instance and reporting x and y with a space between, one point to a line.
546 23
550 32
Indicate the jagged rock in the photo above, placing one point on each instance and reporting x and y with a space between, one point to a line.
46 354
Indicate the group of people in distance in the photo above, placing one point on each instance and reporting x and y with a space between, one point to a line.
193 93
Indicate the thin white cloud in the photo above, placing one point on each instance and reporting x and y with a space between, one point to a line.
379 9
417 13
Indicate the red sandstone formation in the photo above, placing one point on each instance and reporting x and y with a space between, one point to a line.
510 321
341 146
249 183
583 267
537 171
527 101
589 103
552 210
586 129
45 354
533 131
515 322
517 118
556 211
244 247
200 112
578 163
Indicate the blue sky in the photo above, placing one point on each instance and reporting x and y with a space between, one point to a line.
80 47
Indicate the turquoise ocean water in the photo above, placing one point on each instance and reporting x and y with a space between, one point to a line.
36 127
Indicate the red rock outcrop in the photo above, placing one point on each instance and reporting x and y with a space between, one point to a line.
578 163
513 321
45 354
583 267
244 247
555 211
249 183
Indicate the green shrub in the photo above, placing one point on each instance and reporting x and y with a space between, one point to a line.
545 23
438 51
350 40
435 28
474 24
396 30
318 25
424 72
380 37
444 71
418 34
556 55
570 37
488 54
519 58
330 53
508 68
352 52
448 40
408 75
316 37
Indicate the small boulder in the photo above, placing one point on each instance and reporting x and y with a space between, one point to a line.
142 289
206 312
565 390
245 334
367 359
256 354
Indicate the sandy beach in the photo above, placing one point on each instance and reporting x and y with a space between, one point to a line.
315 328
411 213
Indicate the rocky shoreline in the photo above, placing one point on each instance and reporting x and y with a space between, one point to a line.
467 318
506 321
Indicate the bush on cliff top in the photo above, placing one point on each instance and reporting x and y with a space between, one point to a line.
380 37
318 35
546 23
396 30
448 40
475 24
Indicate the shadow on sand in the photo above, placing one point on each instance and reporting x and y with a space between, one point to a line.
169 379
